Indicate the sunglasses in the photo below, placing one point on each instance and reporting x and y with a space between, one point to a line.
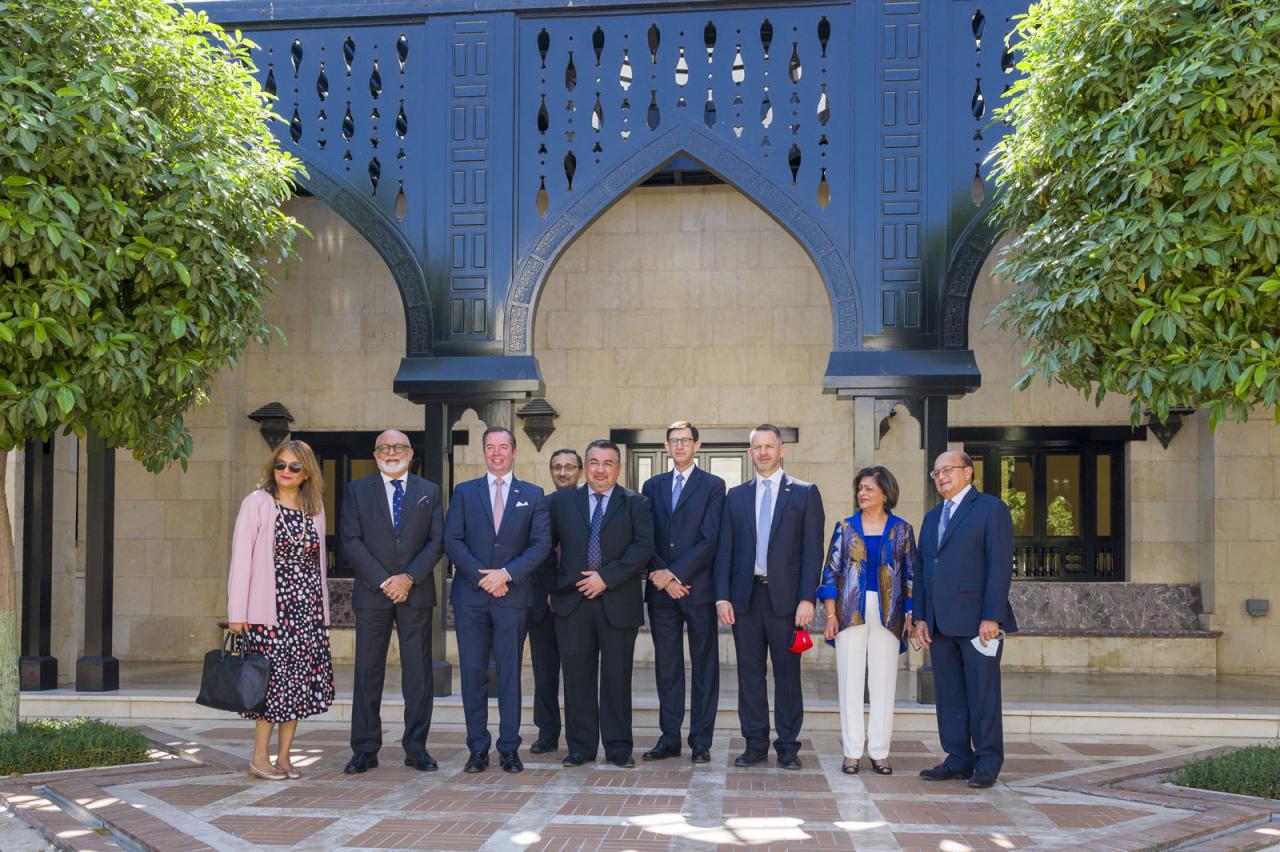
294 467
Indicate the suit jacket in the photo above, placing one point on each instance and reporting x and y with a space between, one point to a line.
626 545
374 550
965 579
685 538
520 544
795 545
844 575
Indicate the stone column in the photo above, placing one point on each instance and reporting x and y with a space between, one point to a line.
933 434
97 670
435 454
38 668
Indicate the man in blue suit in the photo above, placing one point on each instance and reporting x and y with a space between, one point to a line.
962 598
686 504
767 566
497 535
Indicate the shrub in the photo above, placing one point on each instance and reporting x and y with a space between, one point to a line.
1251 771
47 745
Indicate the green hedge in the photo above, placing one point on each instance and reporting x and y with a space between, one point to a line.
46 745
1251 771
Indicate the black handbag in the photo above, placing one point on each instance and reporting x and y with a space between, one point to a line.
233 680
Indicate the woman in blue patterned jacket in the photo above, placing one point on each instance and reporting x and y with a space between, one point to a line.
866 591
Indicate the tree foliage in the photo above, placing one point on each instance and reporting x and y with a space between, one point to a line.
1141 184
140 193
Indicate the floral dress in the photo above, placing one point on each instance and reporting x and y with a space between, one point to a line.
301 682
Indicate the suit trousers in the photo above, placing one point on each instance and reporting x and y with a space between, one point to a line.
757 633
872 651
668 623
597 681
373 637
544 653
967 688
480 630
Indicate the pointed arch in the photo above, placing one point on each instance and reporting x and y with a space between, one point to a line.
963 268
390 244
683 140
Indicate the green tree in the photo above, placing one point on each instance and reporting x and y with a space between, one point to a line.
140 193
1140 184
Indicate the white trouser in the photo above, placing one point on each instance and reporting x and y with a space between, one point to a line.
859 650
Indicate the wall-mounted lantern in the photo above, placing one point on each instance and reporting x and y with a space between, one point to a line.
538 417
1165 431
273 421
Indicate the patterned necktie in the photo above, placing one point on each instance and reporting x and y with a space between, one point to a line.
397 504
675 492
763 525
499 504
942 524
593 539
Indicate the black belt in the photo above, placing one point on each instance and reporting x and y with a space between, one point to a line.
762 579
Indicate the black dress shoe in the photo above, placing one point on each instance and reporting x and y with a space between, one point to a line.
573 758
750 758
361 761
477 762
881 767
420 761
702 755
788 761
942 772
662 751
623 761
981 780
510 761
542 746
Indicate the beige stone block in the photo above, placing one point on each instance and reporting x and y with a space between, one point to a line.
1153 562
1146 482
188 520
743 214
336 333
130 558
1229 524
132 595
613 253
1250 562
621 218
1238 477
731 250
1243 649
1253 438
679 251
133 481
1264 519
1023 652
1186 656
634 328
742 406
1066 652
1118 654
1166 522
139 518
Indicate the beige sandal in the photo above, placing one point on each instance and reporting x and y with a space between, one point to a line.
290 771
278 775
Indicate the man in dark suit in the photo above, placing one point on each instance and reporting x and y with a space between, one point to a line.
962 597
497 536
391 536
605 536
686 504
767 566
544 652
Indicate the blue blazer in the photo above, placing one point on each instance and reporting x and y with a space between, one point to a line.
795 545
965 579
685 538
520 545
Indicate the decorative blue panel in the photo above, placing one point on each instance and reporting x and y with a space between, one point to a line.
470 217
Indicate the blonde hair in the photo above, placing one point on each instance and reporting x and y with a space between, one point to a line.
311 492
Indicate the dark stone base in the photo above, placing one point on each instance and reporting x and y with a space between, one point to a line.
441 678
37 673
97 674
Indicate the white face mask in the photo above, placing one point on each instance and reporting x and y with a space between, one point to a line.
393 469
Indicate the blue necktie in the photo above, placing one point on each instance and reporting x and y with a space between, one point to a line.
593 539
763 525
942 524
675 492
397 504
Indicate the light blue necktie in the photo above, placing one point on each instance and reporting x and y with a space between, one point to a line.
397 504
942 524
675 492
763 524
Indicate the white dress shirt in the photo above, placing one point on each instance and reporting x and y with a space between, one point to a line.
604 504
956 501
776 483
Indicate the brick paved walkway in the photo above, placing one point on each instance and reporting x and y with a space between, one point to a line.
1057 792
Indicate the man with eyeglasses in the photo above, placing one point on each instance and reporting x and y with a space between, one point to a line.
605 536
961 606
391 536
686 502
496 535
544 653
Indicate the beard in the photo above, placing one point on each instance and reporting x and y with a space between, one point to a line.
393 469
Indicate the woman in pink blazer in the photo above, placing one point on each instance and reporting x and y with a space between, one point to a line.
278 600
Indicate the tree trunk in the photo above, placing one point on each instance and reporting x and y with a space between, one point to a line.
8 612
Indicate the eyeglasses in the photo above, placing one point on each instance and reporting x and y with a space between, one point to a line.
294 467
383 449
680 442
936 472
563 468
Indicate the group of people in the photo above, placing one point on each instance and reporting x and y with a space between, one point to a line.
574 570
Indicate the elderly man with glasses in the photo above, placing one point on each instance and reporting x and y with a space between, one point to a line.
391 535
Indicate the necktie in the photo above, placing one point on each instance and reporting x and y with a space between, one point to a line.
499 504
763 524
942 524
397 504
675 492
593 539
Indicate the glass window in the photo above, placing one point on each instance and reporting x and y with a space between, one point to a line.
1103 496
1017 490
730 468
1062 481
644 469
979 469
